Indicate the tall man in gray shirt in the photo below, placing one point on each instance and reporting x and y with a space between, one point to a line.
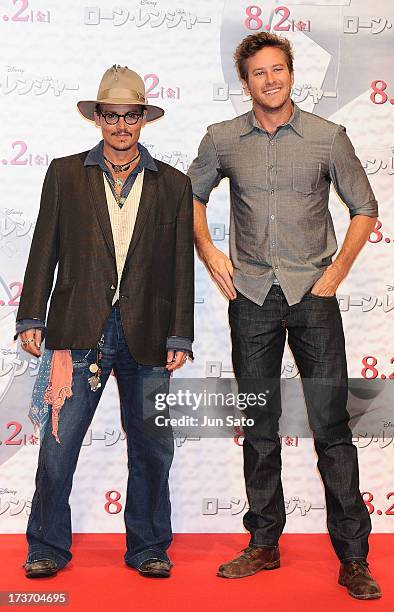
280 276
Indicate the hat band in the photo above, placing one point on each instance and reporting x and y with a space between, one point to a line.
122 93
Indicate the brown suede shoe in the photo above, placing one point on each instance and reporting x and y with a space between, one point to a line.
356 576
154 568
250 562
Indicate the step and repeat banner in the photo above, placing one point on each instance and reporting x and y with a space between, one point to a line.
52 55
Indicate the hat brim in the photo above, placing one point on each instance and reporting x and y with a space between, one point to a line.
88 107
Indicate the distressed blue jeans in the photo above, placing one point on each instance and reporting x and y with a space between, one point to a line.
147 509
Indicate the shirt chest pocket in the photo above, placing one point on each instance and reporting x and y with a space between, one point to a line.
306 178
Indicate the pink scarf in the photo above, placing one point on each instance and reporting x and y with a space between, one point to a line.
59 387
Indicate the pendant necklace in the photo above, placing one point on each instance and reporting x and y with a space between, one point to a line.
118 189
122 167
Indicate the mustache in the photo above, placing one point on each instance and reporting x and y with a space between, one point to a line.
121 133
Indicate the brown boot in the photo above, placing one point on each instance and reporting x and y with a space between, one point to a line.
155 568
356 576
40 569
250 562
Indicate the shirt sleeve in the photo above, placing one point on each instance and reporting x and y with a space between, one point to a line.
25 324
179 343
205 172
349 178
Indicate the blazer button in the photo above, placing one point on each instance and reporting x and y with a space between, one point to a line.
124 297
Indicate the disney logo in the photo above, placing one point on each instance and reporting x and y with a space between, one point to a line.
4 491
12 211
14 69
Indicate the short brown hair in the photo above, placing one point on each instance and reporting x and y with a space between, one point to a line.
255 42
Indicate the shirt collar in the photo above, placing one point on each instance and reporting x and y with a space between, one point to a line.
250 122
95 157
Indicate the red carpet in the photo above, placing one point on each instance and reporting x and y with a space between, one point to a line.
97 579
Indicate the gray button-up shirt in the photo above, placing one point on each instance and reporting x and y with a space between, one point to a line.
280 225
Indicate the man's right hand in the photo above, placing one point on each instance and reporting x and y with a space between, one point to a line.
220 268
31 341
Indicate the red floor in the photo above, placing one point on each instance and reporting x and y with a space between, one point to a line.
98 580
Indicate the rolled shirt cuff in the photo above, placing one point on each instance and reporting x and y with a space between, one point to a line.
370 209
25 324
179 343
200 199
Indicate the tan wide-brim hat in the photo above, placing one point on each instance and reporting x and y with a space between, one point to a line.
120 85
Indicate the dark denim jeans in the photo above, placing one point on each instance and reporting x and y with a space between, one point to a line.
315 336
147 509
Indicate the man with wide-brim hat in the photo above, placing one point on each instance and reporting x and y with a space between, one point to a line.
120 85
118 225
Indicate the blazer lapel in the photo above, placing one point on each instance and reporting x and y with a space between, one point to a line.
147 197
97 192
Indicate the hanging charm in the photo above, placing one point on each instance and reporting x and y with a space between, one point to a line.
94 382
117 168
95 368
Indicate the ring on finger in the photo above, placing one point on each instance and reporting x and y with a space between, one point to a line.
29 341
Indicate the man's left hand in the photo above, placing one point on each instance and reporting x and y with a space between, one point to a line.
328 283
175 360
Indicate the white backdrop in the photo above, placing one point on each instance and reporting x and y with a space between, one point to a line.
54 54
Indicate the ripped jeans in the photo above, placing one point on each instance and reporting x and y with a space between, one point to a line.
147 508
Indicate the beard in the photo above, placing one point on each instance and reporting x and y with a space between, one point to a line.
124 146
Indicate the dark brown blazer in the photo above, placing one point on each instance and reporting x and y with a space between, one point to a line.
73 230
